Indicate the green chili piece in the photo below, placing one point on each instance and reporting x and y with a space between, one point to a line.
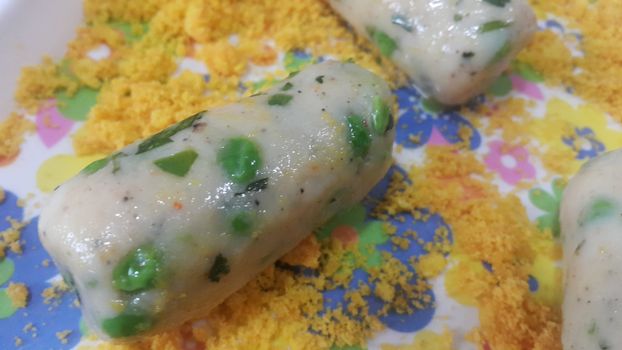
240 159
493 25
598 209
380 116
287 86
431 105
127 325
95 166
501 53
164 136
499 3
279 99
138 270
385 43
242 223
179 163
358 136
101 163
219 268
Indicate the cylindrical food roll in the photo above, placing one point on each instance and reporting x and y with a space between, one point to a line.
165 229
591 223
452 50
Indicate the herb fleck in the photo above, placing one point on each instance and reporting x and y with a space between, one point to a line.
255 186
219 269
499 3
320 79
287 86
279 99
501 53
385 43
493 25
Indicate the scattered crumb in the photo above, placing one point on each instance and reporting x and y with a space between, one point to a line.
10 238
307 254
55 291
12 131
18 341
18 293
62 336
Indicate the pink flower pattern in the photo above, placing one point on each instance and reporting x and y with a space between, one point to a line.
510 162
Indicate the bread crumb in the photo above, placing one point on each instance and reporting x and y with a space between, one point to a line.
62 336
307 254
12 132
10 237
18 293
55 291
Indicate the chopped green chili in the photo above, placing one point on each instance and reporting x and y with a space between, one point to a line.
501 53
178 164
493 25
95 166
598 209
432 106
279 99
164 136
101 163
358 136
499 3
126 325
219 268
380 116
385 43
240 159
138 270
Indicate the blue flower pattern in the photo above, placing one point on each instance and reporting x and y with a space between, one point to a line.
418 122
582 137
426 230
48 319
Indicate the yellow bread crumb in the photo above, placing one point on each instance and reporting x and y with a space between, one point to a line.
12 131
10 237
600 68
18 293
307 254
55 291
62 336
487 227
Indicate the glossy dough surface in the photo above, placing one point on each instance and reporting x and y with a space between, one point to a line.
452 50
165 229
591 223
